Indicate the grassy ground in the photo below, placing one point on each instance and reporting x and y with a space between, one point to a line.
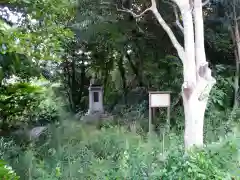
76 151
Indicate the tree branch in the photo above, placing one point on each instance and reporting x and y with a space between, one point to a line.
177 19
205 2
177 22
132 13
123 9
167 29
165 26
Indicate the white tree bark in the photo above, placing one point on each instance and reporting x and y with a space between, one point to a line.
196 103
198 81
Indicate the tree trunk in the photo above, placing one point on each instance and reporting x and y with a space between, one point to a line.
67 83
82 84
135 70
123 77
236 81
234 31
74 85
195 105
237 55
194 117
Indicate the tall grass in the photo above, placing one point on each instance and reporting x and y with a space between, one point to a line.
73 150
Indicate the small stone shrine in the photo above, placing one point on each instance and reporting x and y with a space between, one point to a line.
96 110
95 99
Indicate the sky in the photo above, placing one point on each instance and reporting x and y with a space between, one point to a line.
14 17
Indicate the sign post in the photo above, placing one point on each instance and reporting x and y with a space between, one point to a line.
158 99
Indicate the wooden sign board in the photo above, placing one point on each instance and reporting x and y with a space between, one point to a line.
159 100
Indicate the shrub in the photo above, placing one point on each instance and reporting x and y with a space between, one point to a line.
16 102
49 106
25 104
6 172
192 166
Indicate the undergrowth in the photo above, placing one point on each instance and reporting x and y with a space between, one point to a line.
72 151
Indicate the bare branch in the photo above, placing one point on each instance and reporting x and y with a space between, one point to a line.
165 26
205 2
132 13
191 4
177 22
154 4
176 44
167 29
177 19
123 9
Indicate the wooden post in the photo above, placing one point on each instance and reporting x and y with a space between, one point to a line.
168 118
150 116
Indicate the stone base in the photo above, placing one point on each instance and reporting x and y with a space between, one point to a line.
97 116
89 112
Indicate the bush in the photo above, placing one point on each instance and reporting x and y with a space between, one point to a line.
6 172
49 107
16 103
25 104
195 165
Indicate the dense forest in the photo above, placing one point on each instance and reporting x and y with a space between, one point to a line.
52 50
